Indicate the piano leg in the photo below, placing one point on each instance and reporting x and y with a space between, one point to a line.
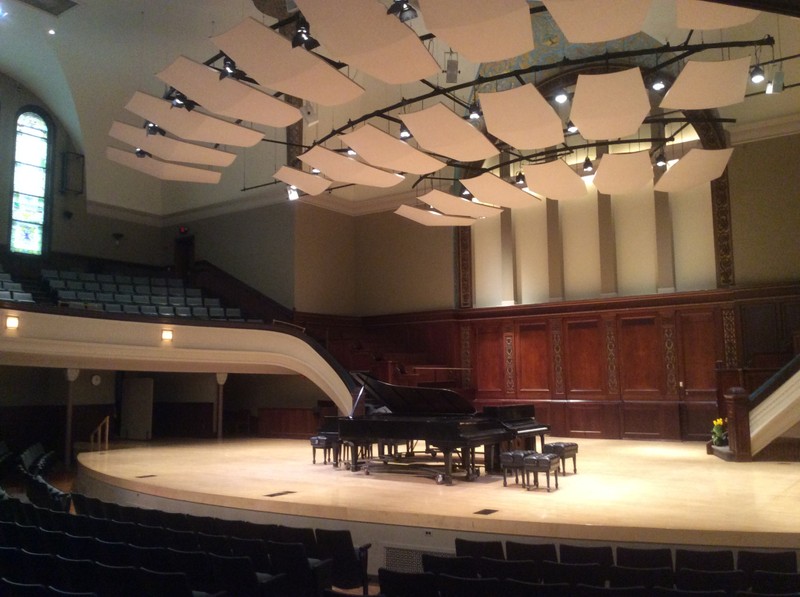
446 478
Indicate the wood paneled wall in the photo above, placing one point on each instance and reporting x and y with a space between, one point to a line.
633 368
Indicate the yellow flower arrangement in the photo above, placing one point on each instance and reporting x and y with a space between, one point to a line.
719 432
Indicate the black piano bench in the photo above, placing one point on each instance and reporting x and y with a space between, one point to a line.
513 460
324 443
540 463
564 450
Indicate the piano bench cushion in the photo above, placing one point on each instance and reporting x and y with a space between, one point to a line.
564 450
541 462
514 458
322 441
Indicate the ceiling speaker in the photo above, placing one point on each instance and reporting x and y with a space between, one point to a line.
309 111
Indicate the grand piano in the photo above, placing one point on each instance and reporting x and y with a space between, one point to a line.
442 418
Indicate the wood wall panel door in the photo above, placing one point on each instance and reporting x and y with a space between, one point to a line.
533 360
698 349
760 331
650 420
585 359
593 418
489 371
641 360
697 338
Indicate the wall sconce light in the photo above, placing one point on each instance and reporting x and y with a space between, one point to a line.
166 335
12 322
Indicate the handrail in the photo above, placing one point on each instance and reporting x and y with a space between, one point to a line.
100 434
774 382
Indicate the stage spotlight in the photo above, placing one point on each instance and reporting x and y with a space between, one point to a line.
571 128
303 36
561 97
757 74
404 132
587 165
661 160
402 10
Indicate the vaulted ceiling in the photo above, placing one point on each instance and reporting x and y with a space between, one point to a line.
108 56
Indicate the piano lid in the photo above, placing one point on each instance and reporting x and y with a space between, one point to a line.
414 400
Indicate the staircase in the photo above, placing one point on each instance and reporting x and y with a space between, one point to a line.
765 424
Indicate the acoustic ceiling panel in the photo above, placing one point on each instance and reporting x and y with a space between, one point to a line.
555 180
169 149
162 170
592 21
456 206
310 184
360 33
481 31
344 169
623 173
193 126
427 217
704 85
488 188
269 58
610 106
440 130
227 96
697 167
382 150
522 118
695 14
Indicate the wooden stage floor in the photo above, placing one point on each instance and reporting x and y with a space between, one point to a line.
665 493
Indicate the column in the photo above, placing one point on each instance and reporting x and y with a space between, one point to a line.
72 376
221 379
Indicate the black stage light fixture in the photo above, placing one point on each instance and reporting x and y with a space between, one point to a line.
302 36
402 10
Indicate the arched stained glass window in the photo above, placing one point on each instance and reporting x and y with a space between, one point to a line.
28 207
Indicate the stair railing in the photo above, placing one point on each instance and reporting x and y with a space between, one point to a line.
100 435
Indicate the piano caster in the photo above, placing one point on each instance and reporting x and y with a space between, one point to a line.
442 479
473 476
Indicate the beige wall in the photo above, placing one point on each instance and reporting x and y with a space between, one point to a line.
765 210
402 266
28 386
256 246
325 261
82 233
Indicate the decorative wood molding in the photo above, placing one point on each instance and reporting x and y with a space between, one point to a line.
670 359
729 338
611 357
508 361
558 357
464 266
723 241
466 355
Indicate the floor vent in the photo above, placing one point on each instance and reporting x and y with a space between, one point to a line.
54 7
403 559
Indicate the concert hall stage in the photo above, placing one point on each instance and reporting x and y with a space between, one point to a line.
625 492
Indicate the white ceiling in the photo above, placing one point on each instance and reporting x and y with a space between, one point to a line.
103 51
